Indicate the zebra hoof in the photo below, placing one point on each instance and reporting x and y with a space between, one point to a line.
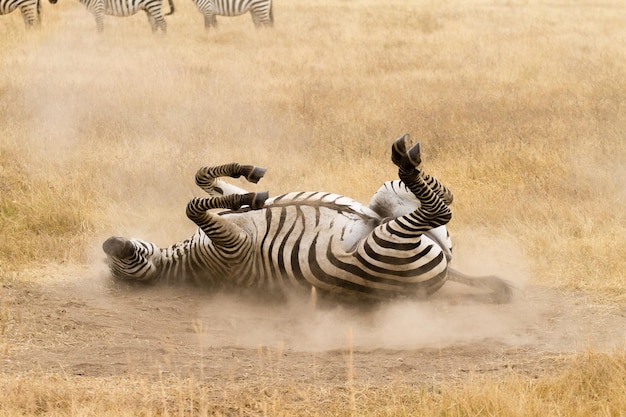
256 174
253 174
259 200
398 149
118 247
414 156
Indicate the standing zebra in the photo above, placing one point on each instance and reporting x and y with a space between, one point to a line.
310 240
125 8
30 9
261 10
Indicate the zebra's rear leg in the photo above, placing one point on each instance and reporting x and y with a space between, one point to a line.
207 177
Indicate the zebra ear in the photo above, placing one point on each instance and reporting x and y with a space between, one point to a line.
118 247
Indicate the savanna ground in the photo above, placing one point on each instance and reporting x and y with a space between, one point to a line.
520 108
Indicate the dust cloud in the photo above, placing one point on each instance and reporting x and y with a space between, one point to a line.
447 318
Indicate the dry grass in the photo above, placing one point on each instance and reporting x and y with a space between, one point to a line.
591 385
519 107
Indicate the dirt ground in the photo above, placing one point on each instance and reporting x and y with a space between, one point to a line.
75 321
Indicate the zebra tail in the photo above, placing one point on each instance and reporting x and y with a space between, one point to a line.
171 3
501 290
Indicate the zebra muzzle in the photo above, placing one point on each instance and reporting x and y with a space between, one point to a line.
118 247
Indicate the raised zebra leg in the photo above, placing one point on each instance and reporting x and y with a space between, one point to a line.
207 178
433 211
221 231
198 205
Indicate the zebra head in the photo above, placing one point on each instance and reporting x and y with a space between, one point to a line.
132 259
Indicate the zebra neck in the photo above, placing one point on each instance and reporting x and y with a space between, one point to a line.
176 265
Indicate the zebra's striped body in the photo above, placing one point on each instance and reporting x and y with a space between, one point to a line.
30 9
261 10
124 8
307 240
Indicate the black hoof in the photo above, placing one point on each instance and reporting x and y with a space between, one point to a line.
259 200
413 155
403 158
398 149
118 247
253 174
256 174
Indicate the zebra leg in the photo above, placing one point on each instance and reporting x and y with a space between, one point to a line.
433 210
198 205
156 20
210 20
262 14
409 159
99 15
152 21
206 176
31 15
221 231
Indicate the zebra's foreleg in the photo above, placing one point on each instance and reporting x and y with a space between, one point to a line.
198 206
222 232
206 176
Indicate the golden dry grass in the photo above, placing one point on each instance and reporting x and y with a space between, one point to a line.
519 106
590 385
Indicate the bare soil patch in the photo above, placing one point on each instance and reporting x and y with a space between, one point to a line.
75 321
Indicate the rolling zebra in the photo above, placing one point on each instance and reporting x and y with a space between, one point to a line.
125 8
398 246
261 10
30 9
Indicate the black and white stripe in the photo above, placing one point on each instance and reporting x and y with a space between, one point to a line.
30 9
123 8
261 10
397 246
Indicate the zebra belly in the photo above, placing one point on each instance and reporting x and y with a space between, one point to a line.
304 246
